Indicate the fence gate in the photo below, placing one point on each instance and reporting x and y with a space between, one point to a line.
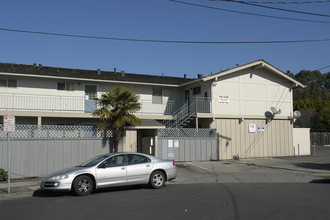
185 144
320 139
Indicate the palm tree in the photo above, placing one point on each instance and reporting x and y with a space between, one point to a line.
116 110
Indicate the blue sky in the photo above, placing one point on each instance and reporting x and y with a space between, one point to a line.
161 20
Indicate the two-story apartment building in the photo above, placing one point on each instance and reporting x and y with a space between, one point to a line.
250 105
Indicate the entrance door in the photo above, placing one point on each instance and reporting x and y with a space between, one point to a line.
187 97
90 95
187 101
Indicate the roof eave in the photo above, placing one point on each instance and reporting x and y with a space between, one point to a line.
86 79
191 82
257 65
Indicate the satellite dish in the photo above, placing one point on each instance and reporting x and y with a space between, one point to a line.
275 110
297 114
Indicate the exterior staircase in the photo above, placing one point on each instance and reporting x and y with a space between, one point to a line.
187 113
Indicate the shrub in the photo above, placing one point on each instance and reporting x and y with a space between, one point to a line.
3 175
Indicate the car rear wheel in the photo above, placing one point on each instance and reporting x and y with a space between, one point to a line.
83 185
157 179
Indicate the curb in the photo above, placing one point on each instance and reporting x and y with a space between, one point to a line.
18 189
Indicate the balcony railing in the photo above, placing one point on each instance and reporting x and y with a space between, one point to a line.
52 103
147 107
36 102
203 104
182 116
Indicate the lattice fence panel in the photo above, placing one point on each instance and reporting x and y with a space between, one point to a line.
55 132
186 132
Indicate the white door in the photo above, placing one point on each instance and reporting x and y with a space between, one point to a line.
138 169
90 95
112 172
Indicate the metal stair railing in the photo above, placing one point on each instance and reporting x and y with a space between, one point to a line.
186 112
182 115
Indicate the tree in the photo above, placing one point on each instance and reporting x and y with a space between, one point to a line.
116 110
313 101
324 117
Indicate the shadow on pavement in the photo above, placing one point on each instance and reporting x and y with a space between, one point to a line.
121 188
324 181
45 193
316 166
48 193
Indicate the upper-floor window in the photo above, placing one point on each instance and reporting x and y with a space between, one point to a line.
197 90
65 86
10 83
90 92
157 96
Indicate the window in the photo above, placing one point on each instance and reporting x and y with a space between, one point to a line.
197 90
137 159
10 83
65 86
60 86
115 161
157 96
3 83
90 91
69 86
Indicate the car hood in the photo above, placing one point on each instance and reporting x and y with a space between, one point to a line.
68 171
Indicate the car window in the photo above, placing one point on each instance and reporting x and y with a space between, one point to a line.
93 161
115 161
137 159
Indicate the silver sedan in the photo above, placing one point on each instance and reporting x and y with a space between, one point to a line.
114 169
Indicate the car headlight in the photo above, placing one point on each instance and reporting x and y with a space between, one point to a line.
59 177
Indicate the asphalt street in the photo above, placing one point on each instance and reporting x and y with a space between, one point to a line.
180 201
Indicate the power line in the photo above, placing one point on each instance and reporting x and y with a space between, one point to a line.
248 13
164 41
293 2
279 9
324 67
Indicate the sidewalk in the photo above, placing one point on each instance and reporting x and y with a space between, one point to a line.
19 189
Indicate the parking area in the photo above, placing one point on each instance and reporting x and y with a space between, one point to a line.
305 169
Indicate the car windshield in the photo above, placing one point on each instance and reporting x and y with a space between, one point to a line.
94 161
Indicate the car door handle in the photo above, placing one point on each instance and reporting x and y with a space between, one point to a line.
123 168
148 165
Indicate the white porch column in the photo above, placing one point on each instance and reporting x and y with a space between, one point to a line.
130 141
39 120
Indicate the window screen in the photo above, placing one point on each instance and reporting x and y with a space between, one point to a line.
157 96
69 87
12 83
3 83
197 90
60 86
65 86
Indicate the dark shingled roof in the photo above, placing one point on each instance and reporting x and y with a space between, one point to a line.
40 70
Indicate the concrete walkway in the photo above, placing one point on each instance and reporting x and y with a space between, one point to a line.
19 189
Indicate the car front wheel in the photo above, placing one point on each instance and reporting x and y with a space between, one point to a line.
83 185
157 179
